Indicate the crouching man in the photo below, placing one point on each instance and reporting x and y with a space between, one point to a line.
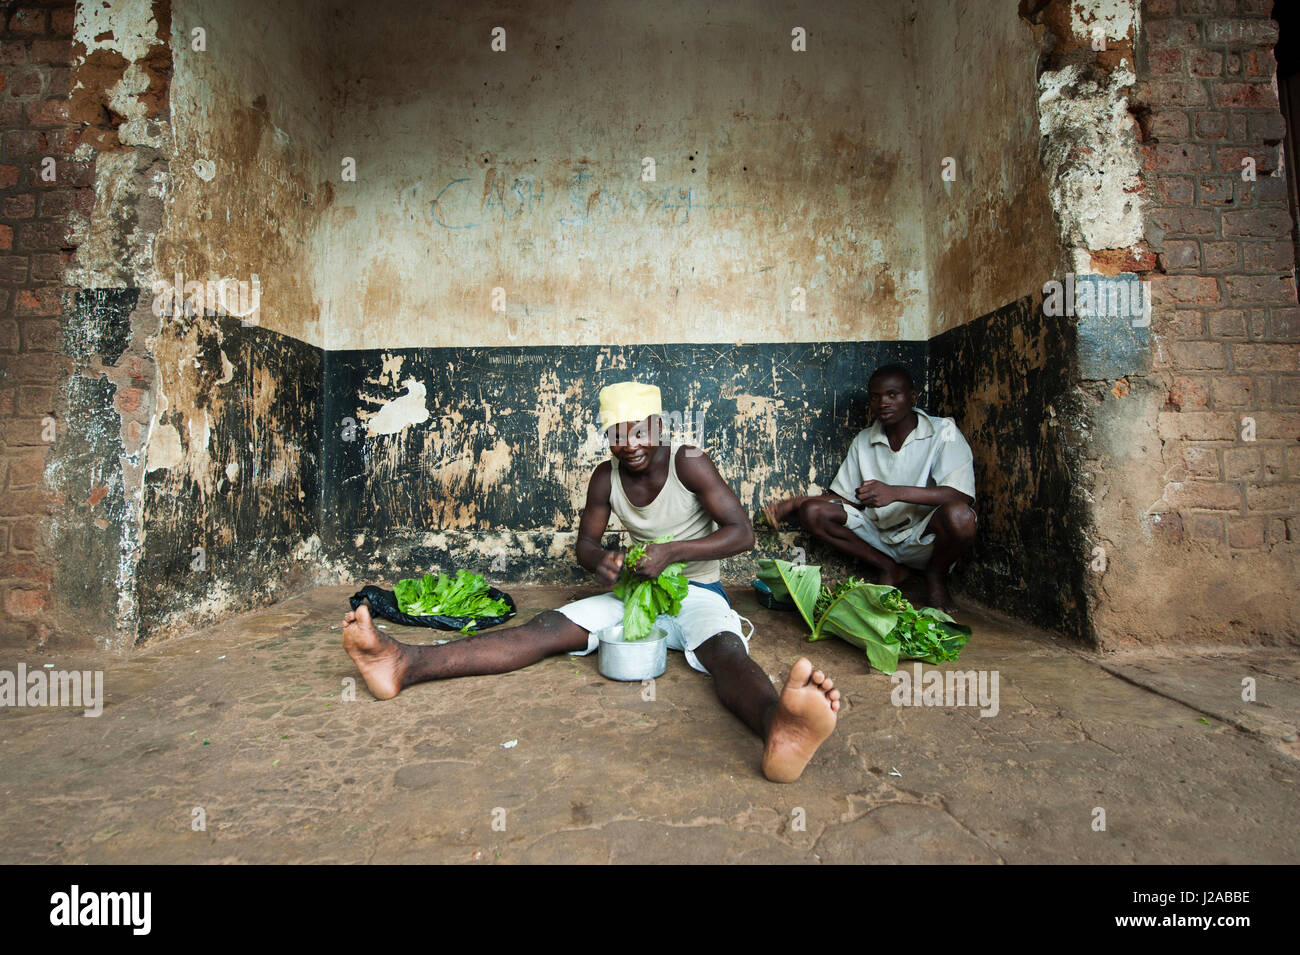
902 498
656 488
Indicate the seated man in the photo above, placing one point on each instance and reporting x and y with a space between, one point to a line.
656 489
902 497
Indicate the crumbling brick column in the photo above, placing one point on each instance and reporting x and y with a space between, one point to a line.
41 186
1219 218
1161 138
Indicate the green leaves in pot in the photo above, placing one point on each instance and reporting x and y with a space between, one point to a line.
644 600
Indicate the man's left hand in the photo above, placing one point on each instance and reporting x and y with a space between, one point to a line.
877 494
654 560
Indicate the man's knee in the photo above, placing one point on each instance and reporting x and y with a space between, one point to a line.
720 647
957 521
817 516
557 633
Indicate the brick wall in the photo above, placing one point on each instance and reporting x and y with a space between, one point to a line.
35 247
1227 327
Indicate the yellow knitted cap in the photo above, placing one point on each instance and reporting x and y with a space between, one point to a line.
628 401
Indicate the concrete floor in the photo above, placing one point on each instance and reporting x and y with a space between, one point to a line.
245 722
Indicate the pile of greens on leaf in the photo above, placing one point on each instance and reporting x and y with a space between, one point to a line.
644 600
875 617
465 595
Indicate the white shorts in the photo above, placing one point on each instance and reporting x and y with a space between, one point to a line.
704 614
914 551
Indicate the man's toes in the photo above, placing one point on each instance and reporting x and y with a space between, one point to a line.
800 672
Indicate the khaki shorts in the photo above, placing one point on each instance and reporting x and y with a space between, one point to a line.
704 614
913 551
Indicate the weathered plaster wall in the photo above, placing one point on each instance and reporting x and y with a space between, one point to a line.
990 231
191 474
522 170
232 522
250 177
117 112
233 465
458 457
1006 378
997 364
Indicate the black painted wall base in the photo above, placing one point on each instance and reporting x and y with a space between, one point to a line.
229 543
490 451
1006 378
512 435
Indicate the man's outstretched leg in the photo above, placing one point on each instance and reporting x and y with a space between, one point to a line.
793 723
389 666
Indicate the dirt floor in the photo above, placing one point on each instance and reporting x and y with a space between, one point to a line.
236 745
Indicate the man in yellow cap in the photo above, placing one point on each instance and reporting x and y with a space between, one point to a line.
656 488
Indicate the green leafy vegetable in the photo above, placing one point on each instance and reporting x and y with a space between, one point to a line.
856 612
644 600
880 620
875 617
799 583
465 595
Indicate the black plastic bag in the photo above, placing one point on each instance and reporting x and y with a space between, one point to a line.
384 603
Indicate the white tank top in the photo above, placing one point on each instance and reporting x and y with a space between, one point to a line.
676 511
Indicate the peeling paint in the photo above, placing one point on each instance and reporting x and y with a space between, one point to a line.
1092 159
164 448
400 413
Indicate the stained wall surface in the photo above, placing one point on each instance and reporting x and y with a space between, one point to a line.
430 333
990 231
233 478
523 171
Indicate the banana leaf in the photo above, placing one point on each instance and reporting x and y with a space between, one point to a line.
877 619
859 617
798 583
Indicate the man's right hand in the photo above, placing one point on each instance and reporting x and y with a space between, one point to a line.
609 568
777 511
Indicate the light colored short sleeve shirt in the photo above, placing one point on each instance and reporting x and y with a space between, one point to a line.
934 454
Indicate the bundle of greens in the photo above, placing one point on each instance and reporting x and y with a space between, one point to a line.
644 600
465 595
874 617
880 620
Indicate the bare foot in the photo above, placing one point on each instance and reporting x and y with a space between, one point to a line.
377 656
805 717
895 575
938 595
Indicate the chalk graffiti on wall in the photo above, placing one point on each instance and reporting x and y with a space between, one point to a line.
584 199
